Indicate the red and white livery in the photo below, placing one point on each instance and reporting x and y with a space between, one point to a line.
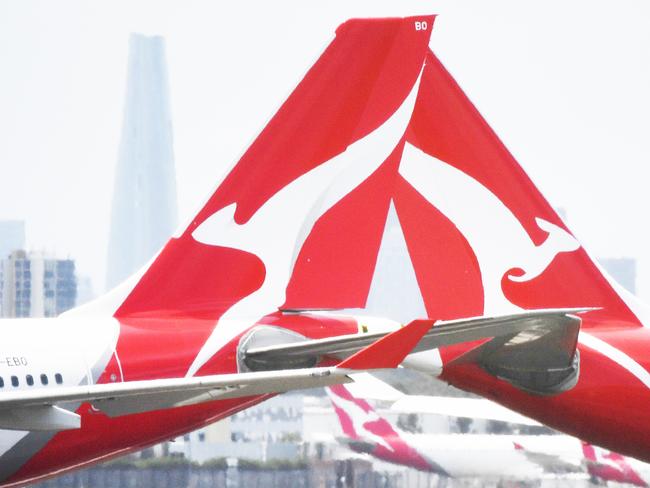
449 455
485 456
228 311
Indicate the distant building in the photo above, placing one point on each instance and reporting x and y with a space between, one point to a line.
290 426
12 236
270 430
623 270
32 285
275 420
144 199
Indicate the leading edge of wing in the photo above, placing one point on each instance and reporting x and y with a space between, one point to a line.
147 395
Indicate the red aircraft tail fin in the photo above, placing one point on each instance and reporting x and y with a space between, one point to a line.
481 236
610 466
371 433
319 164
297 222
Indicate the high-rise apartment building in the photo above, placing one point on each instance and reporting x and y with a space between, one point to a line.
33 285
144 198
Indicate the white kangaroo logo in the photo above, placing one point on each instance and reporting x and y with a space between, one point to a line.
359 418
497 238
277 231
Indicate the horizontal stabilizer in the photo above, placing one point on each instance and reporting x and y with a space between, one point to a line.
39 418
535 322
389 351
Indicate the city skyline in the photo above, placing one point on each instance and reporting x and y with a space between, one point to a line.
34 284
12 236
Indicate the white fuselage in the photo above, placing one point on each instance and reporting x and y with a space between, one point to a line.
49 353
478 455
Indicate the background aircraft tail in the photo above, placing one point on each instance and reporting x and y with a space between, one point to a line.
368 432
610 466
352 412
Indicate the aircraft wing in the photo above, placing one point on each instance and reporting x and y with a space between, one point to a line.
43 408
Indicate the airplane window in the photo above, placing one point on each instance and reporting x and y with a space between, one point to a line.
2 382
30 380
14 380
44 379
58 378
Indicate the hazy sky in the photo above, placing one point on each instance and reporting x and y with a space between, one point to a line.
566 85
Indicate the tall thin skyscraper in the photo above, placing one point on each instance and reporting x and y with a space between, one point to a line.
144 199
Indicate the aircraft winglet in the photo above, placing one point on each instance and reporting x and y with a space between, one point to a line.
390 350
